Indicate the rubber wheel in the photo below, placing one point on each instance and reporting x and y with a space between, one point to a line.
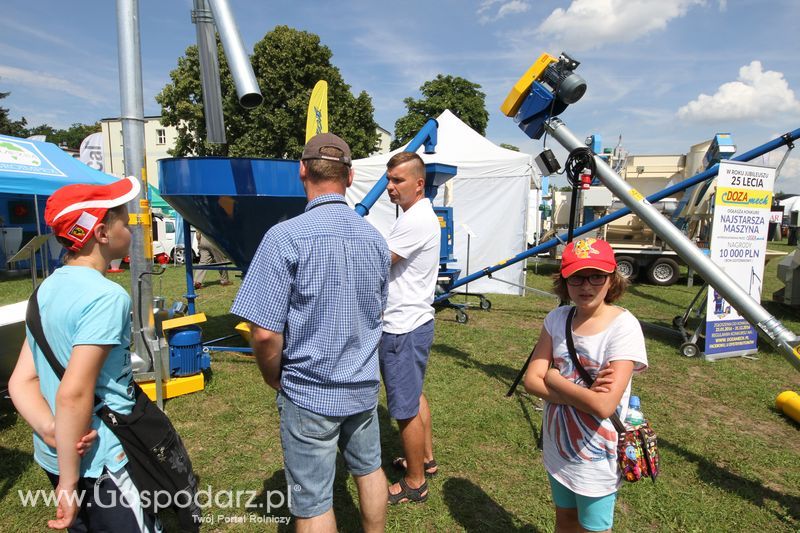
485 304
689 349
461 317
627 267
663 272
178 256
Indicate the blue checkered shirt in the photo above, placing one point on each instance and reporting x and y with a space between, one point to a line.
321 279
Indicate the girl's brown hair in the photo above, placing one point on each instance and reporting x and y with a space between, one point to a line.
615 291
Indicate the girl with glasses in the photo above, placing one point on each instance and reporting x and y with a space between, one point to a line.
579 440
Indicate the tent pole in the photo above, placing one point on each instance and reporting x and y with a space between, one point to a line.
44 251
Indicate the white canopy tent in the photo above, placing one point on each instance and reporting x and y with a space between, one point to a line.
489 197
791 204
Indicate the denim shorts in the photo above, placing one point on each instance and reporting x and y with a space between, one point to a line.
595 513
403 360
309 445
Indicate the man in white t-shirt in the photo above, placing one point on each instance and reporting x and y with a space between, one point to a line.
408 323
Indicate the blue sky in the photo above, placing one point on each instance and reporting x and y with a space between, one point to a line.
664 74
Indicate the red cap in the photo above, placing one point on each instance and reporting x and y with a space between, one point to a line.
587 253
74 210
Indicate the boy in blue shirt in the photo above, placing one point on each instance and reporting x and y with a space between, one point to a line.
86 319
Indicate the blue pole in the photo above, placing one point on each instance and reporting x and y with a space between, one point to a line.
785 139
187 263
427 136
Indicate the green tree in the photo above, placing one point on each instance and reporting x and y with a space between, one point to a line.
509 147
73 136
43 129
460 96
287 64
15 128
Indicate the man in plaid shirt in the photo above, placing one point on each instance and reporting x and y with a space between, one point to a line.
314 294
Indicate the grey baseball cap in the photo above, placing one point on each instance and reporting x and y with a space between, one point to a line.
314 148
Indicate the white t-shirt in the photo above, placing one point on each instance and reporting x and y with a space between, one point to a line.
579 449
412 280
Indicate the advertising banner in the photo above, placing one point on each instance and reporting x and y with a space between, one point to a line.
317 114
738 246
91 151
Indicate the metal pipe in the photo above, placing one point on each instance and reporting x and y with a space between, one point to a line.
209 72
238 61
427 136
130 82
769 326
751 310
669 191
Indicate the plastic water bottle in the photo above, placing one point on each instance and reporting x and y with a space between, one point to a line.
634 417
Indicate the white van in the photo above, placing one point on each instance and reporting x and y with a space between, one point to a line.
165 240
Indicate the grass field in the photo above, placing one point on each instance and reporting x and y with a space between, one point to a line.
730 461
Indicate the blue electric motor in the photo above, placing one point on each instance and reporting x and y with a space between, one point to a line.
186 356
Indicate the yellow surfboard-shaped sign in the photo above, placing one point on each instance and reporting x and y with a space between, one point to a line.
317 116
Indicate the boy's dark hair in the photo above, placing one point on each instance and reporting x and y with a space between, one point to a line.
619 284
111 215
325 170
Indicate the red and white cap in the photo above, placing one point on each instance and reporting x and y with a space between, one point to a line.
74 210
587 253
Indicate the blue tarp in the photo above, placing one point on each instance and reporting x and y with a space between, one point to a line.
33 167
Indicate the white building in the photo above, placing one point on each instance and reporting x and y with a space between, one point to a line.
157 140
384 142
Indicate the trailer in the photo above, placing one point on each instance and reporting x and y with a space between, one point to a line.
640 253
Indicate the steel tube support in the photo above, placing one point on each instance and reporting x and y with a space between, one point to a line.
768 325
130 83
427 136
209 72
238 62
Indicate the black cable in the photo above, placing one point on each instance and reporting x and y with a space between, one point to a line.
579 159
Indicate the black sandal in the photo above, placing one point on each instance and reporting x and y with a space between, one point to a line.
409 495
400 464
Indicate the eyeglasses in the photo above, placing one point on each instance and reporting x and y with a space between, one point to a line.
594 279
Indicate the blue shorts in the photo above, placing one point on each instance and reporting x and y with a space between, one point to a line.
594 513
309 445
403 360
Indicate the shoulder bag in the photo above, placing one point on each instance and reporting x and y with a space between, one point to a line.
637 448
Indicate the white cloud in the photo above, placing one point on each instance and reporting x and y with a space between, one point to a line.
650 116
487 12
755 94
42 80
789 178
587 24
